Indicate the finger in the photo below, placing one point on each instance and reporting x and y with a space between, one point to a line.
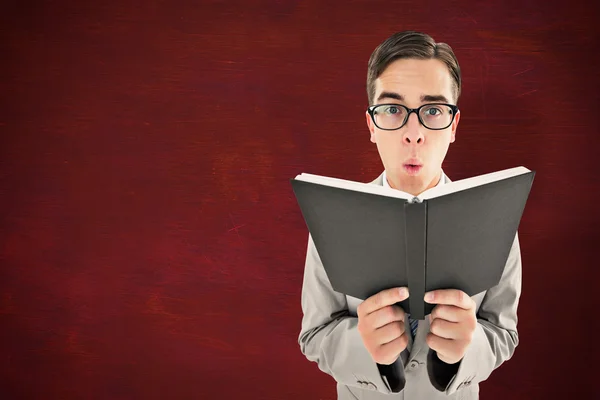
446 329
445 348
389 352
448 313
388 333
384 298
452 297
384 316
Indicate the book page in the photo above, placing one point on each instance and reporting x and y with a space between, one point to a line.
457 186
352 185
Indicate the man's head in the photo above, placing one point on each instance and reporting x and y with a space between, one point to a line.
409 69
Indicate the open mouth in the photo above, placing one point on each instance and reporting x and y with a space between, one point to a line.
412 169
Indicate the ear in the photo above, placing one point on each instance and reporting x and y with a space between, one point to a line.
454 127
371 126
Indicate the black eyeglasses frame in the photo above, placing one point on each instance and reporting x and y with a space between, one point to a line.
371 111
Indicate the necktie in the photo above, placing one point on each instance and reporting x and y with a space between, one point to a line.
413 325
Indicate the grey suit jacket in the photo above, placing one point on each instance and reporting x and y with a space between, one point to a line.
329 337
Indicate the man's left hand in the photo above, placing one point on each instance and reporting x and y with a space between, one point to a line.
453 323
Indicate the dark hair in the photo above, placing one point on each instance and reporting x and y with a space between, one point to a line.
410 44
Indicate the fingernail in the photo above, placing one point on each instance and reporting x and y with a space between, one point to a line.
428 296
403 291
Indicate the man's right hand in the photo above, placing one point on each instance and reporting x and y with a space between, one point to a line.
381 325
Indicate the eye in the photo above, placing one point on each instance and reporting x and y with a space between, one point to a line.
391 110
433 111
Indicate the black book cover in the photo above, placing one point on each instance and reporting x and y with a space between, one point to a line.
370 242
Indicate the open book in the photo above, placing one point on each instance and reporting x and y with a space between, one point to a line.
456 235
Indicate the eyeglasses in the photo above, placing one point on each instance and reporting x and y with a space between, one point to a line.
390 117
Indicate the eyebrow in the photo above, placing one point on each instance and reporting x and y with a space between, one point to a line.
424 98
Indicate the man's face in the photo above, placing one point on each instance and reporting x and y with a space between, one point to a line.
407 82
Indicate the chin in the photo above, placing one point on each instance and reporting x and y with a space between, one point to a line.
413 183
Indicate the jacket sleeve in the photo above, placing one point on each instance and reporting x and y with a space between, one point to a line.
496 337
329 334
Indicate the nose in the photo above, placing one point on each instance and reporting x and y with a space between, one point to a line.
413 133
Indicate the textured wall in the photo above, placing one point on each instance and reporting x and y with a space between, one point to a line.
150 244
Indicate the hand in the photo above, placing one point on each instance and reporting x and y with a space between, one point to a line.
453 323
381 325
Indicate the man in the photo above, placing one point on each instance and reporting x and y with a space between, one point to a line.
372 348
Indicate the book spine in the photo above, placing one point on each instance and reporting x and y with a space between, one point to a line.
416 249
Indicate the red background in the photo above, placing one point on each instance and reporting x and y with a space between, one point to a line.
151 246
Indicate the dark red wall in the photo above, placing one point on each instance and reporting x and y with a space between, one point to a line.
151 246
